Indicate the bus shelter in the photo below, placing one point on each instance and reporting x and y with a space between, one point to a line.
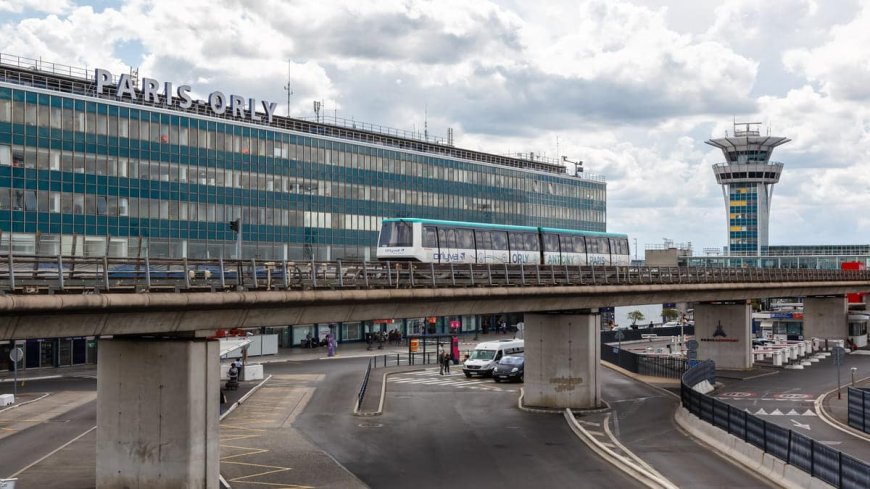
426 346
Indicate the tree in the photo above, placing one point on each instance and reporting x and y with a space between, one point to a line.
670 314
635 316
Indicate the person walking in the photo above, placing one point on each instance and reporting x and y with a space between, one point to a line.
445 361
440 359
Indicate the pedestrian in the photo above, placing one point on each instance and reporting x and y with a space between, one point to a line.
440 358
445 360
330 345
650 325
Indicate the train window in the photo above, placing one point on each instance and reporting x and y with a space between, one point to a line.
517 242
484 240
623 248
603 245
579 244
551 242
465 239
396 234
532 243
450 240
499 240
592 245
430 237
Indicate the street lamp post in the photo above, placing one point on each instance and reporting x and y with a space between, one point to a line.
236 226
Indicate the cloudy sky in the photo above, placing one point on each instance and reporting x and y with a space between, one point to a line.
632 88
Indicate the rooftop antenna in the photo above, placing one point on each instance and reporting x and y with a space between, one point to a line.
426 123
317 104
557 147
287 88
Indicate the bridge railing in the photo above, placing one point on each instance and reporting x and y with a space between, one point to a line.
76 274
813 457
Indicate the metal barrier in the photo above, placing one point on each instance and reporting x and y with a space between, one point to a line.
859 409
652 365
28 274
818 460
638 334
365 383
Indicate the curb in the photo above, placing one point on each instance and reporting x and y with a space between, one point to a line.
629 465
243 398
824 415
380 410
753 459
25 403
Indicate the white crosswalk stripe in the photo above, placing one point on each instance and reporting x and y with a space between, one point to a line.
454 379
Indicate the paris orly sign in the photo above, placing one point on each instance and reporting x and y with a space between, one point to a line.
154 92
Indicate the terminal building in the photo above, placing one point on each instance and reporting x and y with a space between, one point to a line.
100 164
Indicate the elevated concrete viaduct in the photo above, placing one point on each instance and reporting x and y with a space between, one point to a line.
157 377
43 316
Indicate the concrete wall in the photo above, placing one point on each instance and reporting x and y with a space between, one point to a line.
562 361
826 317
158 403
661 258
733 350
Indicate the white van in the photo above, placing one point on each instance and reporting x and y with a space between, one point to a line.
486 355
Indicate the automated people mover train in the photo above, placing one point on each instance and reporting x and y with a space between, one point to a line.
435 241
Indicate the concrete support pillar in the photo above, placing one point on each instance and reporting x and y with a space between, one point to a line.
158 402
562 360
723 332
826 317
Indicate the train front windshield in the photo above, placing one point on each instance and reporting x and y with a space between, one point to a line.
396 234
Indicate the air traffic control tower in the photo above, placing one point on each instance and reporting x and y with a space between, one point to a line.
747 178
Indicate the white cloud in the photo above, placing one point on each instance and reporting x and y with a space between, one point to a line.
840 67
46 6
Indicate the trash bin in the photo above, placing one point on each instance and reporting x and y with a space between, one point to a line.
414 345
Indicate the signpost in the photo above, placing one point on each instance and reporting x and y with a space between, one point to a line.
619 336
838 353
692 353
16 355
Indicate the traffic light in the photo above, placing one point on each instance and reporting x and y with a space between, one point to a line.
234 225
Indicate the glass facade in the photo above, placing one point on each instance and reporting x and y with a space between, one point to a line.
95 176
743 218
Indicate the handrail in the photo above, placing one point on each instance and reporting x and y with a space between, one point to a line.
35 274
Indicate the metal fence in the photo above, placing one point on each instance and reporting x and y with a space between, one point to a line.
859 405
818 460
365 384
75 274
643 333
652 365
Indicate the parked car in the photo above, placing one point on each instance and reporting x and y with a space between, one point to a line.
510 367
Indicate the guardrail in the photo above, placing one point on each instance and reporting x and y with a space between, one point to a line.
815 458
638 334
653 365
66 274
365 383
859 409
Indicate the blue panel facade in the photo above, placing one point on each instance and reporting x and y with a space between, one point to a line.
96 176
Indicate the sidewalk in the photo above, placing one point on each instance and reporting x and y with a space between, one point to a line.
837 410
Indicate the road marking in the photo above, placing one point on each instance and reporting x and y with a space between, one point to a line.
53 452
800 425
777 412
